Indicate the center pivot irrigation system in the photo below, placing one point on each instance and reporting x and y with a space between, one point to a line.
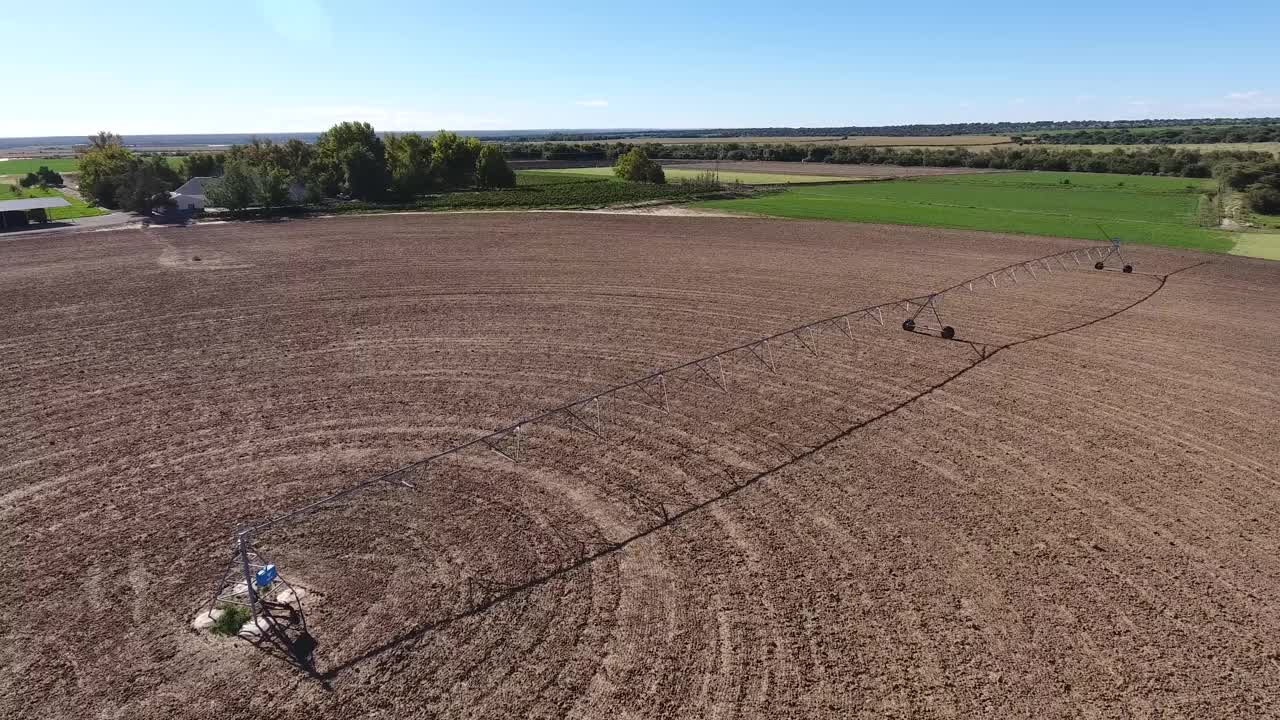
250 580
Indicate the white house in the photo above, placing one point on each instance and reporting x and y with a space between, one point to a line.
191 196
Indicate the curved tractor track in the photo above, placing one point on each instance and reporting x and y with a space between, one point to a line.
1079 523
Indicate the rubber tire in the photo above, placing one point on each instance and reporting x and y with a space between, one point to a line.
909 325
948 332
1098 265
1128 268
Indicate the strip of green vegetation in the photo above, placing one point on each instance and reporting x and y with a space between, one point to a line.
61 165
77 209
1153 210
532 192
24 166
528 178
746 178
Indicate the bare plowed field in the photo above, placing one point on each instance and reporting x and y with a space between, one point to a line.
1084 523
834 169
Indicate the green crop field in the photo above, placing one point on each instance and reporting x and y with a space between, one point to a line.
24 166
1259 245
746 178
541 189
78 207
1155 210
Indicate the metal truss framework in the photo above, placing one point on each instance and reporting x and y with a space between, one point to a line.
586 414
251 581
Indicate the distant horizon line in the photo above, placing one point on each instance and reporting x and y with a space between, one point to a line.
10 141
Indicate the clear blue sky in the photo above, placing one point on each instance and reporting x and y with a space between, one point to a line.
145 66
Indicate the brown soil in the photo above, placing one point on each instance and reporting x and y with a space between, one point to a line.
1083 524
832 169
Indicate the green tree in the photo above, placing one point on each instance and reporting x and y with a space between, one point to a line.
49 177
296 157
454 159
409 164
146 184
201 165
492 170
104 140
635 166
365 174
273 188
102 166
237 189
344 147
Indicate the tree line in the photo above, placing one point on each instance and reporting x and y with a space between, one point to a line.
349 160
916 130
1263 132
1156 160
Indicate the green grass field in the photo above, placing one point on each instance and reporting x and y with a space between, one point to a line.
676 174
1154 210
1259 245
78 207
24 166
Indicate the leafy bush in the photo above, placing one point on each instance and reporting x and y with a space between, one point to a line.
202 165
705 181
492 170
635 166
1263 199
237 189
233 617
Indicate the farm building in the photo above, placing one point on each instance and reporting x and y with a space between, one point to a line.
191 195
17 213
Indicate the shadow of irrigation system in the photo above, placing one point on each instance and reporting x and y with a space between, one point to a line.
289 639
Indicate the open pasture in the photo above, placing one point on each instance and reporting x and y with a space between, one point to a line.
22 166
1154 210
1083 523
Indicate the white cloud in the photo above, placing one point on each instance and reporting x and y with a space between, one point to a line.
1247 95
592 103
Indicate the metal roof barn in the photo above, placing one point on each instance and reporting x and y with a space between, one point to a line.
25 205
32 203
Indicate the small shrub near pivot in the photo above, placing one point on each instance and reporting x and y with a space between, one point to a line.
909 325
948 332
230 620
